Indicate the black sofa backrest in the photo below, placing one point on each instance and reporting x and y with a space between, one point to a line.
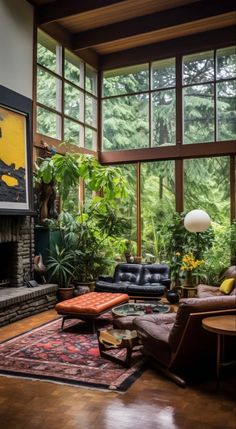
130 273
155 273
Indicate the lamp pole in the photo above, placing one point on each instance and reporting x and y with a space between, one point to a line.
197 221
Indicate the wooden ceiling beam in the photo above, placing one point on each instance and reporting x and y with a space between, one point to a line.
153 22
62 9
181 46
63 36
171 152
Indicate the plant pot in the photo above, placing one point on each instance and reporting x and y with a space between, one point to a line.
188 281
88 284
65 293
137 259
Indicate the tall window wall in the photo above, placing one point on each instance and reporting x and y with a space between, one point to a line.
66 97
140 103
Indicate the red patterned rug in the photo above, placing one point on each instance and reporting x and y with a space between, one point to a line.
71 357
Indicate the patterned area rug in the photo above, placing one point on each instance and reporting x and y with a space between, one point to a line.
70 357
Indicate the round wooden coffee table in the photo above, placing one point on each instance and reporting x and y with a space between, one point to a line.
220 325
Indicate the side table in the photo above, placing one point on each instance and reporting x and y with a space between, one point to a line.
110 339
220 325
188 292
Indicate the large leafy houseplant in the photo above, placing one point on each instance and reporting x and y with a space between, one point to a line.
89 232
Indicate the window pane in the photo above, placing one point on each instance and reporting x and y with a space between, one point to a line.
48 90
73 102
73 69
207 187
198 68
48 123
163 73
90 139
226 62
126 122
128 207
163 113
47 52
199 114
126 80
73 133
157 206
71 204
226 110
90 111
91 80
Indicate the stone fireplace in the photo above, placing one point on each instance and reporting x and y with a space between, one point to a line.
16 249
16 255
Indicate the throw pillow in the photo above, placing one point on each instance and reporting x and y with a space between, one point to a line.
227 286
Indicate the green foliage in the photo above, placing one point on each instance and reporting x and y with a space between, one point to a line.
91 231
60 266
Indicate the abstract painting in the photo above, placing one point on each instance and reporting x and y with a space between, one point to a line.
13 160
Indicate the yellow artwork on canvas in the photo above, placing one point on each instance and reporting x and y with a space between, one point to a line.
12 156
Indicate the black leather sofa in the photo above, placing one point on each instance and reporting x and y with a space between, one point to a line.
136 280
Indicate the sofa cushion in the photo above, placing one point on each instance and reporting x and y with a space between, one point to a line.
204 291
128 273
147 289
102 286
155 273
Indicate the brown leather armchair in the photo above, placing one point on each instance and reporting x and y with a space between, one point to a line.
204 290
177 343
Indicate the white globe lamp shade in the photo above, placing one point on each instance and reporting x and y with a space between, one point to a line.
197 221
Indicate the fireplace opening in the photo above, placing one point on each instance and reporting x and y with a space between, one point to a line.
8 264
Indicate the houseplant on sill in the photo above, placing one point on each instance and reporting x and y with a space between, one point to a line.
61 271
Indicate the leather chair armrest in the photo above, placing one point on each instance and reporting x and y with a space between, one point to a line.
106 279
166 282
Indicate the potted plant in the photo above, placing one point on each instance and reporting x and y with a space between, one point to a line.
61 271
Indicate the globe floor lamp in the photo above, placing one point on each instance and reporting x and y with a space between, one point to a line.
197 221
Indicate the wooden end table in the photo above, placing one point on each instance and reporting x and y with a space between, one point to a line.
220 325
188 292
109 339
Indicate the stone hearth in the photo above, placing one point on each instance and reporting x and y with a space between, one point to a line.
17 303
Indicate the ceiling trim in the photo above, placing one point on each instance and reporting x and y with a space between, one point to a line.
60 9
149 23
61 35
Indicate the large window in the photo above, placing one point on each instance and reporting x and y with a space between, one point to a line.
209 89
140 103
157 198
66 95
207 187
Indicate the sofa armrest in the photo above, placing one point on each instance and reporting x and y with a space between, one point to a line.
166 282
105 278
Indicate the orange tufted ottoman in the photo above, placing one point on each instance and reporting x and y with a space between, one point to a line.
89 306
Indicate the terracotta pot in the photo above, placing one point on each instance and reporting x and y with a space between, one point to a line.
65 293
137 259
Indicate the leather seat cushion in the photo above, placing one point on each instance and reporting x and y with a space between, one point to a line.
148 289
154 331
91 303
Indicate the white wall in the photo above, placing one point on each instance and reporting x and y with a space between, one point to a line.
16 46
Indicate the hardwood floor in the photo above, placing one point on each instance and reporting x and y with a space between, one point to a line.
152 402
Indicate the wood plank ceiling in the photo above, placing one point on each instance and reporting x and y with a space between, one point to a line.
99 30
